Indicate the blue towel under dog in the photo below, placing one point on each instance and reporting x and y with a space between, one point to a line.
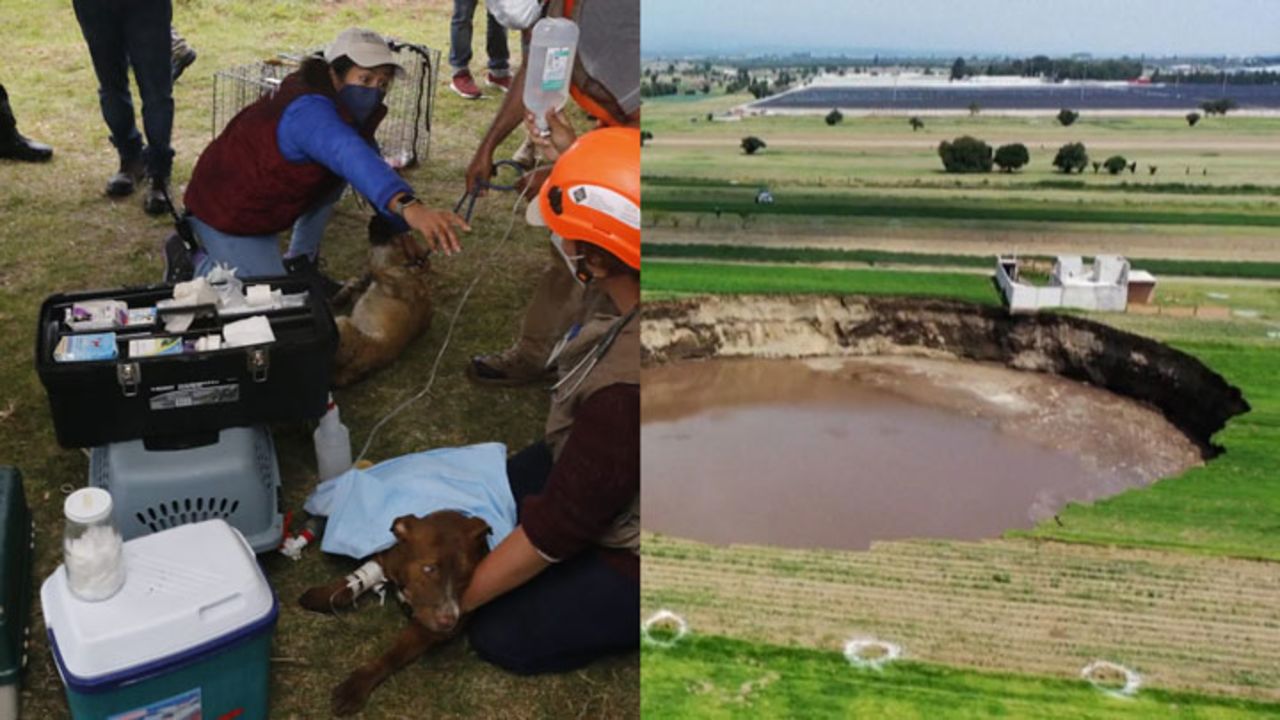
362 504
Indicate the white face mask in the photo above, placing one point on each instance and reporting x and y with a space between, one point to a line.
515 14
570 261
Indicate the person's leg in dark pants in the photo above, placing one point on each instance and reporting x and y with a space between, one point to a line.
103 29
460 34
149 43
571 614
496 47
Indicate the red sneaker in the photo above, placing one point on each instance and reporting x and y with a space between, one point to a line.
465 85
502 82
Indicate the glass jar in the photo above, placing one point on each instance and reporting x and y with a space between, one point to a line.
92 548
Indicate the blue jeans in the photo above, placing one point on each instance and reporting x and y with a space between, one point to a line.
569 615
124 33
259 255
460 38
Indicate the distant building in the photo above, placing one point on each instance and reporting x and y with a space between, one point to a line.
1109 285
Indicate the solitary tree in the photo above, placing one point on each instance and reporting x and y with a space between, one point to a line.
1151 169
1067 117
974 108
834 117
965 155
645 136
751 144
958 69
1133 167
1011 157
1115 164
916 124
1071 156
1193 118
1096 167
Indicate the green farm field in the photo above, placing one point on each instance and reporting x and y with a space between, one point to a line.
871 183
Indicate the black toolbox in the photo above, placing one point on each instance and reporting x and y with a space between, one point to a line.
16 540
194 393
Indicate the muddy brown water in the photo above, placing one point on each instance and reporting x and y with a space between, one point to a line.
840 453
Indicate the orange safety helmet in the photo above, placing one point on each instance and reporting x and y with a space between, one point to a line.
593 193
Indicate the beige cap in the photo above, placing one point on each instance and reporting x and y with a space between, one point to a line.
366 48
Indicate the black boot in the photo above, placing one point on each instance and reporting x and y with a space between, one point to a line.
126 179
155 201
302 266
13 144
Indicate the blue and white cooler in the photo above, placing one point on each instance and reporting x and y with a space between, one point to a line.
188 635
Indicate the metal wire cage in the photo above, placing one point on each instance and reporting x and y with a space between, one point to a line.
404 136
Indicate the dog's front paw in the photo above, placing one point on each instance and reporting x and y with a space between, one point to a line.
350 696
327 598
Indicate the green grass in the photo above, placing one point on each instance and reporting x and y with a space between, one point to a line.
801 255
58 233
668 278
741 201
712 677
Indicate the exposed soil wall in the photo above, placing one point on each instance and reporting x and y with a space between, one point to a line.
1193 397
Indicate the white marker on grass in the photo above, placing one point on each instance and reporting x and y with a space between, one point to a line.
664 616
856 651
1132 680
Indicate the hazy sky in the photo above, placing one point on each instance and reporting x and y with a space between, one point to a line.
1102 27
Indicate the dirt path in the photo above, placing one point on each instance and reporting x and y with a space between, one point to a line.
1184 622
991 240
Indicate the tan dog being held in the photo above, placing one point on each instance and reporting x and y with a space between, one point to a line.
431 565
394 309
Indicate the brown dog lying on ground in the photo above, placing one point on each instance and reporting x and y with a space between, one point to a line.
394 309
430 565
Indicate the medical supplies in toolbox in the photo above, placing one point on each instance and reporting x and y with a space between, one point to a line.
234 477
187 636
165 361
15 587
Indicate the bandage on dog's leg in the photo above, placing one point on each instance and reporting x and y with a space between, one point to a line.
342 593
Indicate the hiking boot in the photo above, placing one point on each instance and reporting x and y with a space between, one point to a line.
13 144
181 55
156 200
465 85
179 266
303 267
500 80
126 179
509 367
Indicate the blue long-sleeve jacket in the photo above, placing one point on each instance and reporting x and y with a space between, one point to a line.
310 130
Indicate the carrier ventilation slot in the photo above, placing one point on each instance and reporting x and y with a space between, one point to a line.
165 515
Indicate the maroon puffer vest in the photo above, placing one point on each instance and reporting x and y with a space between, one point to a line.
243 185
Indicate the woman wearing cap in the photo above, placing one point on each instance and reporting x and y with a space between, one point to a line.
564 588
283 161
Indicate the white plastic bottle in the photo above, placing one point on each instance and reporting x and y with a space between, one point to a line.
333 444
552 48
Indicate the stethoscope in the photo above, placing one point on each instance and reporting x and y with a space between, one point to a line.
583 368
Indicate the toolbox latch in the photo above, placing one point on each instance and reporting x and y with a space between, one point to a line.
259 364
128 374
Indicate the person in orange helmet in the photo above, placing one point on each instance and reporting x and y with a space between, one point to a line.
564 587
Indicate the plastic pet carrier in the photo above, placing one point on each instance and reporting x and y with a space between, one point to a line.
133 379
16 539
235 479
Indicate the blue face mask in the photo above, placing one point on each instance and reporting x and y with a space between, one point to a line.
360 101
